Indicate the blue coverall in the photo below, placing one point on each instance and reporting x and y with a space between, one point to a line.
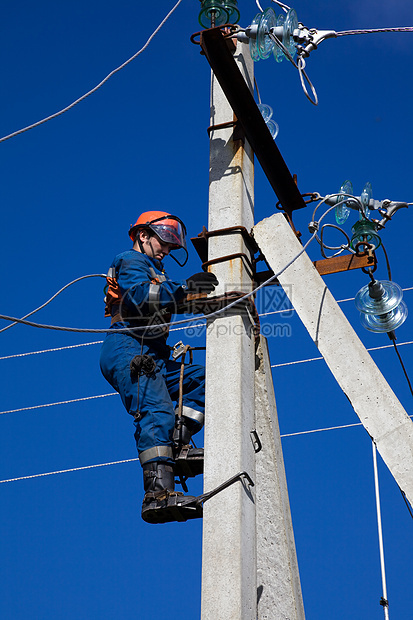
134 273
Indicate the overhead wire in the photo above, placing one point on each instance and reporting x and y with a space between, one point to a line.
280 4
391 333
384 600
387 260
65 471
92 275
85 344
301 63
402 364
70 346
93 90
62 402
409 508
321 430
85 398
23 320
339 301
182 321
300 66
343 33
285 7
341 248
72 469
370 271
192 320
186 327
313 359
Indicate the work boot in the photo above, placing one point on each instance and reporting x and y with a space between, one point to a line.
189 461
161 503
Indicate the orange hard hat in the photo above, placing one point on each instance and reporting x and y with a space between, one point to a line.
169 228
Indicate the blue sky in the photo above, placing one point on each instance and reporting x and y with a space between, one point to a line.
73 545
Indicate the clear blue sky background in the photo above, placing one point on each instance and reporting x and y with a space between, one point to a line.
73 545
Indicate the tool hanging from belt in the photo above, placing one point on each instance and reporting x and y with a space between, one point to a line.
141 365
180 350
189 461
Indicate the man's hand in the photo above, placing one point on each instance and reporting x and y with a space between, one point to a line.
202 282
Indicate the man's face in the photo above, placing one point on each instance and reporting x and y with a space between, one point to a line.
154 247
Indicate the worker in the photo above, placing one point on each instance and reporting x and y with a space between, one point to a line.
137 363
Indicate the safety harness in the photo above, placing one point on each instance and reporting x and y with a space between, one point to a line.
114 299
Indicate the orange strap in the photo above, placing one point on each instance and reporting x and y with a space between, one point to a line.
113 295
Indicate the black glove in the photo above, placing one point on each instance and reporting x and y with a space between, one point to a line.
203 282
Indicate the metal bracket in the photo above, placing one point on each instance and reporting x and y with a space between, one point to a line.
384 602
256 441
201 245
227 125
245 108
201 241
229 257
308 39
388 210
178 349
205 496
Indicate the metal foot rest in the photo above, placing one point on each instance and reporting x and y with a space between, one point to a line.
189 462
173 506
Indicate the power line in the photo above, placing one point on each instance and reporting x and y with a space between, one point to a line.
339 301
126 330
86 344
76 400
182 321
71 346
310 359
83 344
320 430
92 275
373 30
402 365
175 329
90 92
62 402
64 471
313 359
384 600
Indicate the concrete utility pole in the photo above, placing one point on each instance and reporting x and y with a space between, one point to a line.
229 589
241 522
373 400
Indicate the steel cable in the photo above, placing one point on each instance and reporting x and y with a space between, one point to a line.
373 30
90 92
92 275
180 322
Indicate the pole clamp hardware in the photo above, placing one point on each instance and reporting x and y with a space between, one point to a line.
178 349
256 441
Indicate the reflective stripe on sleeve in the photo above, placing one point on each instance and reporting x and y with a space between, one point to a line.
153 298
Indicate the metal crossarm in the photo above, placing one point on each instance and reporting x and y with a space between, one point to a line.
221 60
